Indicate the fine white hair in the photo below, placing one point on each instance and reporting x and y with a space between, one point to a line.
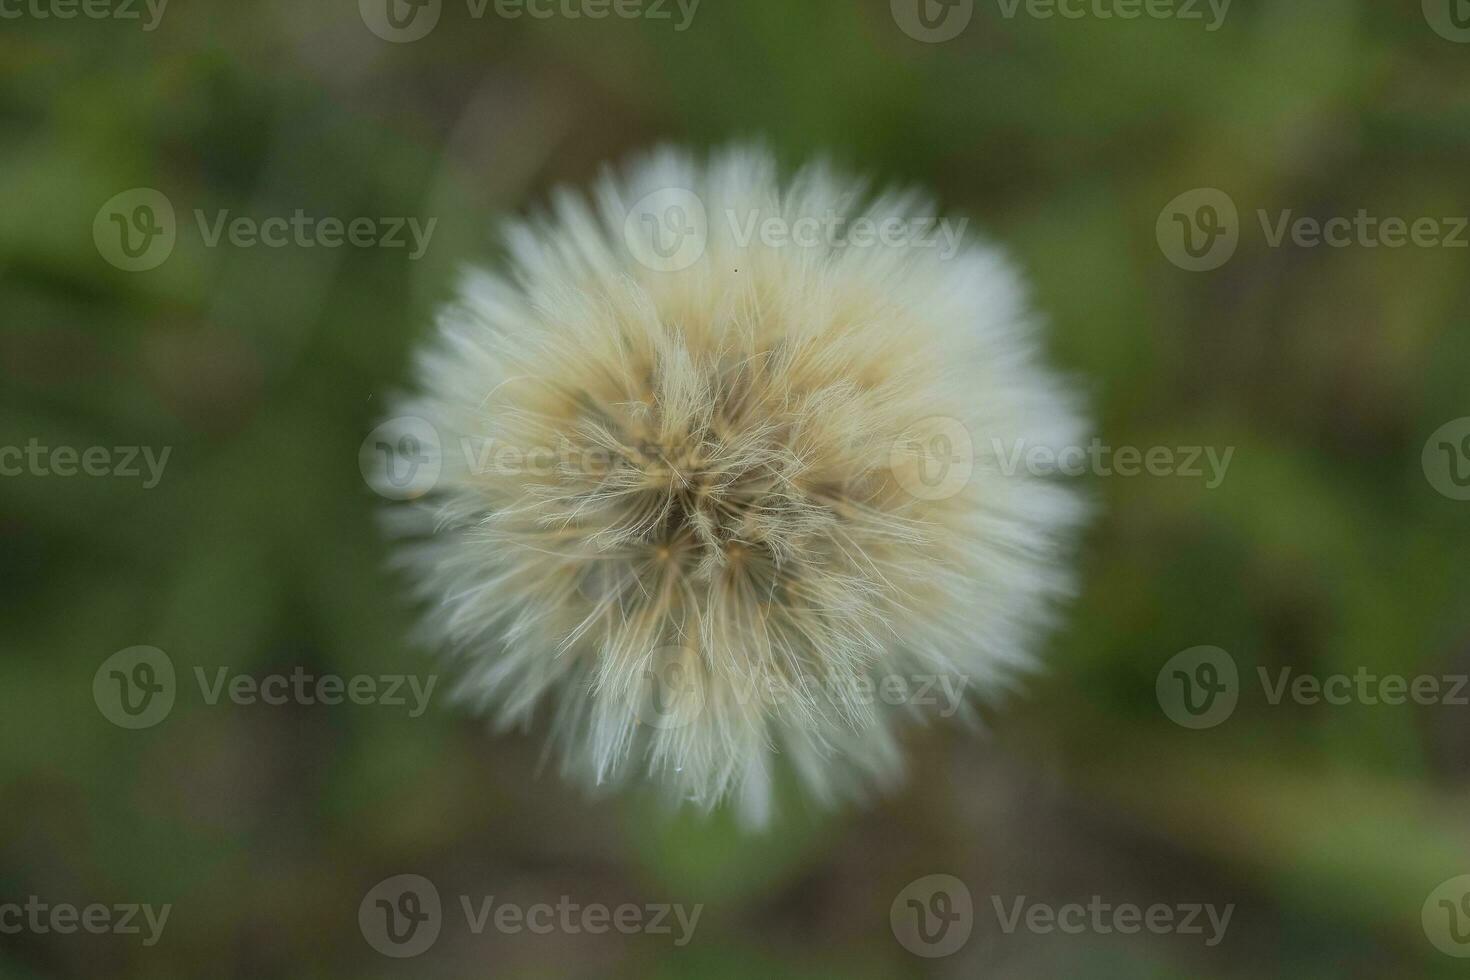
715 501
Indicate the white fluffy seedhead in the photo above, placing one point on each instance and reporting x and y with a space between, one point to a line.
723 501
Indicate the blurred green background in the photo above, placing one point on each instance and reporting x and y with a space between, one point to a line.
1326 549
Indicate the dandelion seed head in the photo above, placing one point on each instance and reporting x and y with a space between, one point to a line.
694 514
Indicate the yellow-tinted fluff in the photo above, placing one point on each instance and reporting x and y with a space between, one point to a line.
702 502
